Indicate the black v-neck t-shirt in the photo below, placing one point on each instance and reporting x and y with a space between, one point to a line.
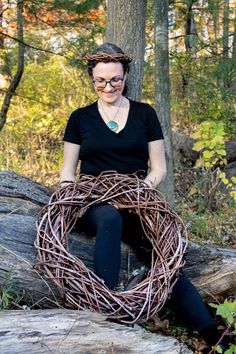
104 150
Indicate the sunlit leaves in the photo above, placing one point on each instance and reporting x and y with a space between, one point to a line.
210 142
31 142
211 145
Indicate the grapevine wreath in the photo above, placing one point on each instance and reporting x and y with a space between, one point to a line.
79 285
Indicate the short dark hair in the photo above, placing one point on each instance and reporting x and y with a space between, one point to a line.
108 48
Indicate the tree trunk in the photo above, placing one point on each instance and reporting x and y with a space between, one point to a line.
214 9
190 27
126 28
225 39
163 90
233 60
20 68
5 74
67 331
190 41
211 269
224 82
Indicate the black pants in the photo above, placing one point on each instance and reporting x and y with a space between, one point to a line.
110 227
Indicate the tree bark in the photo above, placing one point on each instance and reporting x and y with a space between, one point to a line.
163 90
214 9
126 28
190 27
190 41
225 82
225 39
211 269
20 68
5 74
233 60
68 331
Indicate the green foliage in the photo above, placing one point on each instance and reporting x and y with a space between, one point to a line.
8 296
31 142
212 148
227 311
210 143
81 7
196 94
52 86
210 228
209 210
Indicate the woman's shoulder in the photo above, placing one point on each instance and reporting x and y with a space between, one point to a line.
141 106
84 109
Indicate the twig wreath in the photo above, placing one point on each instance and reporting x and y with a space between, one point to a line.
78 284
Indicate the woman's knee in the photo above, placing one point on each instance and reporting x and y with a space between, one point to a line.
109 216
101 215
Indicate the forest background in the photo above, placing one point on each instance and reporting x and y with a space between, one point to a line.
202 55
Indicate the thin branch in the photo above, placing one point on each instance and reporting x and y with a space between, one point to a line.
31 46
3 10
31 99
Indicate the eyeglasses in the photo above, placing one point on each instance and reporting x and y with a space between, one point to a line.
114 82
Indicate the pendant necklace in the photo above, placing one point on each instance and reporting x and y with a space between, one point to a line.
112 124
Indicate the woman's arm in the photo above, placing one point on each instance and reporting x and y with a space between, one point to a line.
70 162
157 160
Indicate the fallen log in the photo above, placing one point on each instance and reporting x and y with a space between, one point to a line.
212 270
67 331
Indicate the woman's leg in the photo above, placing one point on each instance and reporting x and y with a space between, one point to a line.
184 297
105 222
190 305
134 236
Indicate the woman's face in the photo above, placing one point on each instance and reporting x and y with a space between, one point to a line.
109 71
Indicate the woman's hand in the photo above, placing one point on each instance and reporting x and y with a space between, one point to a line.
149 183
157 162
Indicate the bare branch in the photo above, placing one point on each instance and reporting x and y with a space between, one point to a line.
31 46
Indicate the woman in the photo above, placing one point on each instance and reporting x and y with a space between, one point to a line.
116 133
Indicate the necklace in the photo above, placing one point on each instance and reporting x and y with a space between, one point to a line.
111 122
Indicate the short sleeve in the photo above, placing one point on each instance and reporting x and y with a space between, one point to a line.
72 134
154 127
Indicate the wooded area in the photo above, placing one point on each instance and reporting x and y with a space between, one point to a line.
184 64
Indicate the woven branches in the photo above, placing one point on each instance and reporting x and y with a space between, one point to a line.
78 284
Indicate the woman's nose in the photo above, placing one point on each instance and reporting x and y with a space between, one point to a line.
108 87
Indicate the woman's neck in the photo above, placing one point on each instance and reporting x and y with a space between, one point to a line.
119 103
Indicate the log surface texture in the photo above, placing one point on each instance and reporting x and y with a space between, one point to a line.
67 331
